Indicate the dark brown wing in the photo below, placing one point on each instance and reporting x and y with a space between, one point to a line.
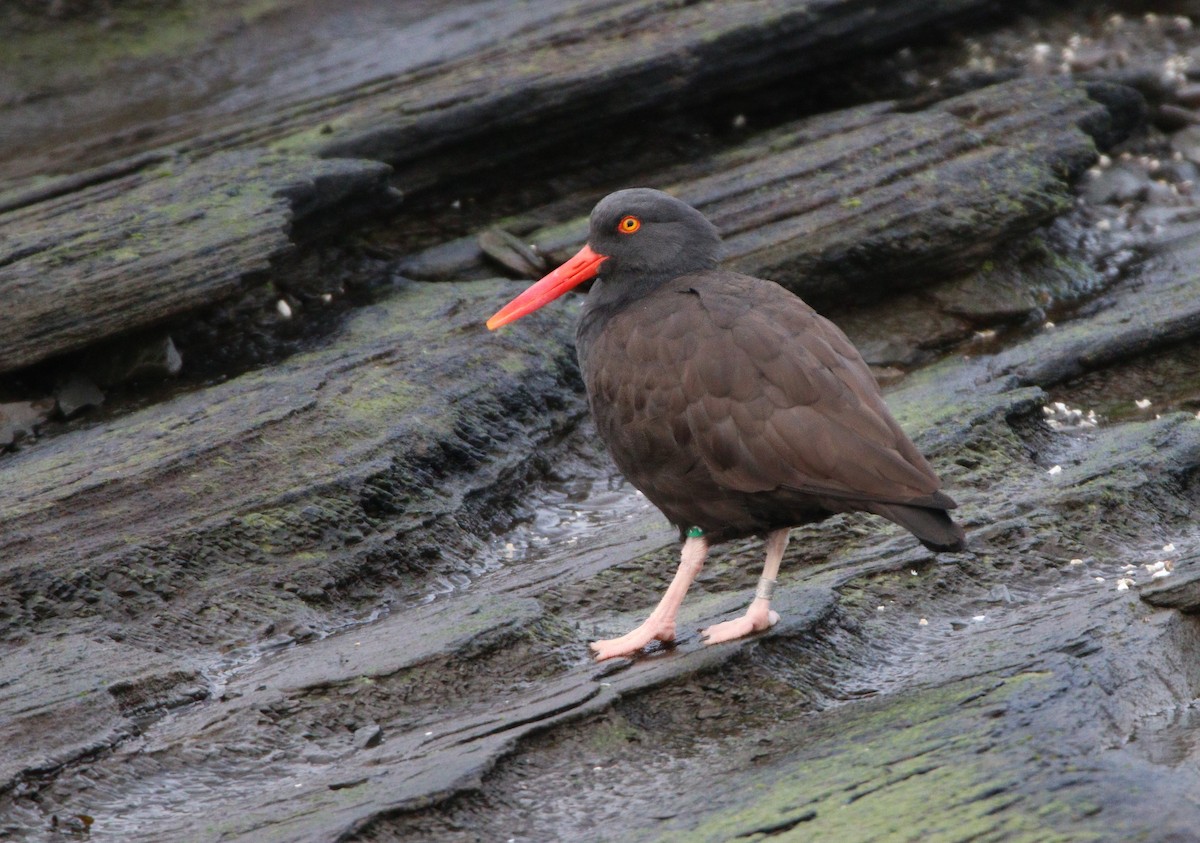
780 398
745 378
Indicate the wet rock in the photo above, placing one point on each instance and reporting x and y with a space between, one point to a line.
905 332
1021 281
21 419
1188 95
867 201
512 253
1180 590
1171 118
371 443
51 687
157 691
77 393
1187 143
134 362
1117 185
371 473
444 262
620 56
1178 172
155 243
994 293
939 190
368 736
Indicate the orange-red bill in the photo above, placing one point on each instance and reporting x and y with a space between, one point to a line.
574 272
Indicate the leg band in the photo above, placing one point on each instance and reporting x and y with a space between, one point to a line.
766 588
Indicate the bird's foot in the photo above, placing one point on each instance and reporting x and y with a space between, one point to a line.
757 619
633 642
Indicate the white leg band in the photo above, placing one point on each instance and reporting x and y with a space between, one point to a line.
766 589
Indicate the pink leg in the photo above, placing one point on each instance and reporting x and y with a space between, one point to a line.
660 626
760 615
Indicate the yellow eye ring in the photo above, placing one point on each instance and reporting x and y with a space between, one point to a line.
629 224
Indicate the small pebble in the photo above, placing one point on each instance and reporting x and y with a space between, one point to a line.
1142 403
1098 579
922 622
1169 547
285 309
1124 583
1158 575
878 608
1076 562
1056 470
368 736
978 618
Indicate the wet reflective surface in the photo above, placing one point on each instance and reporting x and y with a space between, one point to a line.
52 120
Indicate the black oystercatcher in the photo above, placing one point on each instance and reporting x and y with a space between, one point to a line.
729 402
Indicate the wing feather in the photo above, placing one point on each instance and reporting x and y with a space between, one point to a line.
806 413
706 400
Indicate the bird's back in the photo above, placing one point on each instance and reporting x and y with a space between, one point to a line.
735 407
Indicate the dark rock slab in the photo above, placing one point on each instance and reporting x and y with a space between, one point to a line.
908 699
67 696
1179 590
1165 313
615 59
132 250
944 713
135 360
946 759
360 454
517 80
330 554
169 229
916 196
347 431
855 202
897 695
943 716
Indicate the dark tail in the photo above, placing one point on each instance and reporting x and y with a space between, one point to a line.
933 527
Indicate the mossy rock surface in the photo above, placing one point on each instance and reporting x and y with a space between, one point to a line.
347 595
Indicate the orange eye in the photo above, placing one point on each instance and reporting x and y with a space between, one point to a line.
629 224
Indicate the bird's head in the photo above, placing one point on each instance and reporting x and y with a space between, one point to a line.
637 235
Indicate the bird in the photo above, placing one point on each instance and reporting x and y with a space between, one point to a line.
726 400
